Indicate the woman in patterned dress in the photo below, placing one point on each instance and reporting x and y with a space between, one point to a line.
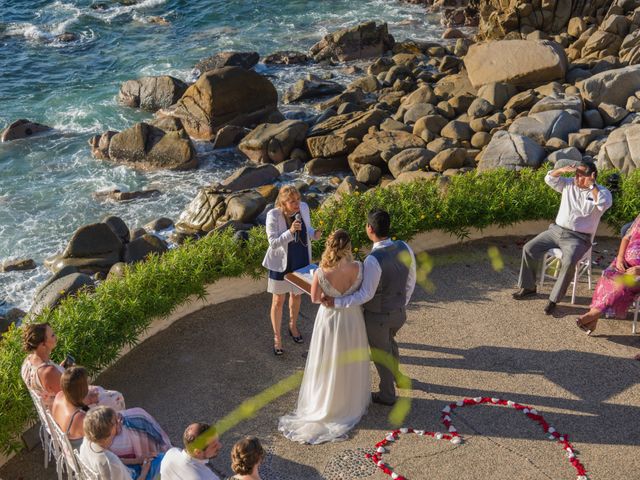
42 375
619 284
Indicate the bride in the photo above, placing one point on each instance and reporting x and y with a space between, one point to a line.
336 387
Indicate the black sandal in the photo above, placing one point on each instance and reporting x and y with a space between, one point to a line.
297 339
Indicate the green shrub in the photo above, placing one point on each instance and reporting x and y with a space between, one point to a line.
96 326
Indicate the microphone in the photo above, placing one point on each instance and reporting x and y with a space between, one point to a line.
297 234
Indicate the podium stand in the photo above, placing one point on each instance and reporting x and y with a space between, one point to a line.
302 278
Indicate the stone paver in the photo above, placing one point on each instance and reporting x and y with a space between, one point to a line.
465 337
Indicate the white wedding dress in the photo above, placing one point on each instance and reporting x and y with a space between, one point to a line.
336 387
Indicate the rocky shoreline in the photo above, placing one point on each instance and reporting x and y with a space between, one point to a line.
540 81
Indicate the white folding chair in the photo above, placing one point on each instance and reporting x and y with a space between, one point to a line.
45 429
66 458
553 259
636 307
87 473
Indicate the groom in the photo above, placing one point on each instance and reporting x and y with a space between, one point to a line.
385 291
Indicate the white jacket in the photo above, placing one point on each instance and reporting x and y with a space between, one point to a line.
279 237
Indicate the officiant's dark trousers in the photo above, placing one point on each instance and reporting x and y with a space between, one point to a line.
381 332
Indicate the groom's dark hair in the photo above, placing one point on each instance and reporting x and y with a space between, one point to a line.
380 222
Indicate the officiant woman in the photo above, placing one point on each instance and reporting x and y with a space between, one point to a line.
290 233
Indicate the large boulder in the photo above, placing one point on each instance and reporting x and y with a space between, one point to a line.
245 206
250 177
273 142
151 93
611 86
511 151
244 60
203 212
17 265
379 147
93 240
518 62
324 166
55 292
225 96
286 57
410 160
362 41
330 145
311 87
140 248
622 149
547 124
146 147
349 125
22 128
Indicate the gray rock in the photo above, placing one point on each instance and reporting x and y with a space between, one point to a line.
151 93
273 143
457 130
409 160
557 103
613 86
311 88
449 158
244 60
593 119
137 233
621 150
369 175
511 151
67 270
158 224
117 270
289 166
497 94
612 114
120 196
250 177
390 124
324 166
17 265
480 108
117 226
244 206
480 139
55 292
546 124
440 144
93 240
140 248
418 110
229 135
286 57
348 107
22 128
415 176
431 123
350 185
569 153
362 41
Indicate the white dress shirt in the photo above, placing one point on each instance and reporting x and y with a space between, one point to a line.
177 464
579 209
371 278
105 463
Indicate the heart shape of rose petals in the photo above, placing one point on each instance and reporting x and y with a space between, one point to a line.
454 437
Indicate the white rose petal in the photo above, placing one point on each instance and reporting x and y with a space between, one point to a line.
390 438
459 403
495 400
446 409
551 430
404 430
381 450
456 440
525 411
438 435
394 475
511 403
551 437
478 399
452 429
419 432
534 411
446 418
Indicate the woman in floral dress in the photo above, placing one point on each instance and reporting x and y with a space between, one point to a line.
619 284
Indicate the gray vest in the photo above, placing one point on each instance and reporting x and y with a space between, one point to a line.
391 294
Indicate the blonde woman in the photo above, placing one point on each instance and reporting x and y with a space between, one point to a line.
290 233
336 386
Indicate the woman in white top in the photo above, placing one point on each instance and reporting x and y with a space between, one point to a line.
336 387
290 233
100 426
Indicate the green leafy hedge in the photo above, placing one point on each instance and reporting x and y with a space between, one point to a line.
95 327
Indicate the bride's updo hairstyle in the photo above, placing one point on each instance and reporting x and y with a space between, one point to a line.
338 246
245 455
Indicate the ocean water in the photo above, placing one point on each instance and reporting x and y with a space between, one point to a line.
47 182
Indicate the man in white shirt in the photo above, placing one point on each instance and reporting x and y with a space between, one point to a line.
583 203
389 278
191 463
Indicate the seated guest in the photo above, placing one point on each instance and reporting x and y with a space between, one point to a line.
100 428
583 203
246 457
200 444
139 437
42 376
614 294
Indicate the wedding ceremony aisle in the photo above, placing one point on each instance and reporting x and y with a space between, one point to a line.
465 337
